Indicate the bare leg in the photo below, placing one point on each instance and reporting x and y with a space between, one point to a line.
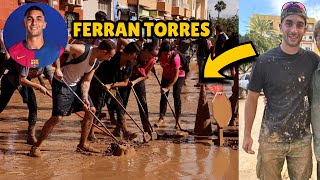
47 128
86 127
85 130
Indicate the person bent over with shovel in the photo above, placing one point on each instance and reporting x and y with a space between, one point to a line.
114 75
76 74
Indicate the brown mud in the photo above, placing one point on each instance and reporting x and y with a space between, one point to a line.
181 156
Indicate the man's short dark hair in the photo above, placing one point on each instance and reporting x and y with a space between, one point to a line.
31 8
107 45
132 47
101 15
219 28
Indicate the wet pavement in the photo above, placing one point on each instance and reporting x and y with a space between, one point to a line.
187 157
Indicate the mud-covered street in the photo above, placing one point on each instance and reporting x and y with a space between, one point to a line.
188 157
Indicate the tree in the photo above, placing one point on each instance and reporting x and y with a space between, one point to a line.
219 7
230 25
262 36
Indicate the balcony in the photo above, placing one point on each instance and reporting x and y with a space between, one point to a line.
164 6
147 4
177 11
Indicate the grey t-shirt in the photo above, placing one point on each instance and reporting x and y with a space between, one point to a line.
285 80
35 72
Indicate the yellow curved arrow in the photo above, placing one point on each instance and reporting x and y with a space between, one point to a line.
240 52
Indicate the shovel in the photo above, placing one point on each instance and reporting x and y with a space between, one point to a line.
146 136
118 146
76 95
154 135
174 114
104 131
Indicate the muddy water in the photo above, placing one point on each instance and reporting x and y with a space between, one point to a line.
176 158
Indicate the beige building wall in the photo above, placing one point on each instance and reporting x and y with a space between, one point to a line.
90 7
192 7
204 10
198 10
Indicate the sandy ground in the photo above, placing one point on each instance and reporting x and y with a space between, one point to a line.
185 158
247 162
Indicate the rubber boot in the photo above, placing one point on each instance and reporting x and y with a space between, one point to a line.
31 135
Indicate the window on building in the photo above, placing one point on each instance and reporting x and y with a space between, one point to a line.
103 5
271 25
175 3
310 38
310 27
181 4
308 48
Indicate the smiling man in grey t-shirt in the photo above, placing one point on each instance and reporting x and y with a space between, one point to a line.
284 74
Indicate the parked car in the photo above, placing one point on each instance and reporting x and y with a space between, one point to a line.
243 85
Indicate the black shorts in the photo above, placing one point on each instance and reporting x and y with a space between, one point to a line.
64 102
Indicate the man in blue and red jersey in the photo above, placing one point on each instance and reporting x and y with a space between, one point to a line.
34 51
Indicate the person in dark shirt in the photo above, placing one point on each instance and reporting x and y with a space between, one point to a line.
284 73
220 41
114 74
19 77
203 52
145 62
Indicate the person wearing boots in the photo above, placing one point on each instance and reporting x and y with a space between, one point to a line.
115 75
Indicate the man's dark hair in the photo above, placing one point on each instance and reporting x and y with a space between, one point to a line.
164 47
132 47
150 46
219 28
31 8
107 45
101 15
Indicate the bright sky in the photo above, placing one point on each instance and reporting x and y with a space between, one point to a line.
270 7
231 9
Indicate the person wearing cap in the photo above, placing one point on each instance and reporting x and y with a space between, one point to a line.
76 72
284 74
315 105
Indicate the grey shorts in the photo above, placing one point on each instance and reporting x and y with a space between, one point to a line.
64 101
271 157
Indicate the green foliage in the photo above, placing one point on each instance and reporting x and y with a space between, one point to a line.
262 36
230 25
